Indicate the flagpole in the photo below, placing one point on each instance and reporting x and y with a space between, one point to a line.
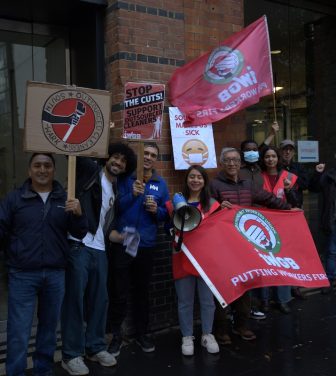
202 273
276 136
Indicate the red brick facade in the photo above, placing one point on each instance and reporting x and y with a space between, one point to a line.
146 41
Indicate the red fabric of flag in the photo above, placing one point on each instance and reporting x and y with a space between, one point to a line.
226 80
244 248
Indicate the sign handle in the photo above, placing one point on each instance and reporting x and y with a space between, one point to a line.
71 177
140 161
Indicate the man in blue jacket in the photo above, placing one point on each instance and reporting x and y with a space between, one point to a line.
141 206
34 222
86 298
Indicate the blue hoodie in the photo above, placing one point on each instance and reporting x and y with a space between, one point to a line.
131 209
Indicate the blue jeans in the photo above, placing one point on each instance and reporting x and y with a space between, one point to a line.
24 288
85 301
282 294
330 262
185 289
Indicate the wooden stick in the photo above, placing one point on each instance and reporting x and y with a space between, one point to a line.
276 136
71 177
140 161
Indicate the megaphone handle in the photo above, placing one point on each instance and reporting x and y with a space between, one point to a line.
180 240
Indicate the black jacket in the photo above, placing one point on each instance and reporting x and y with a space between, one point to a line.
302 181
36 232
242 193
89 190
326 184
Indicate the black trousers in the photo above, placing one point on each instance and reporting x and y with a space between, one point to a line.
125 272
241 313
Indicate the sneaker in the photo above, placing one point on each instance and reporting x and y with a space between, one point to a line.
104 358
188 345
145 343
75 366
208 341
257 315
115 345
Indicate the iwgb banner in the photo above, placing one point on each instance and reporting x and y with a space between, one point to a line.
143 109
191 145
239 249
229 78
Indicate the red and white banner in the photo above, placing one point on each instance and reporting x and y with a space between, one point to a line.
231 77
143 109
244 248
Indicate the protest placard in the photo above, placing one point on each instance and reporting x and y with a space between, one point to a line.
67 119
143 110
191 144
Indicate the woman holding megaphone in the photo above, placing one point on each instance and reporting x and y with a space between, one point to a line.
197 194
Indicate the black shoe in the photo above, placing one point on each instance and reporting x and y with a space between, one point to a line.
145 343
115 345
327 290
298 294
264 307
284 308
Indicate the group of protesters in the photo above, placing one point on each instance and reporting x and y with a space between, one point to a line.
77 258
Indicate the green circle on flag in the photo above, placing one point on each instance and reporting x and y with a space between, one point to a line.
258 230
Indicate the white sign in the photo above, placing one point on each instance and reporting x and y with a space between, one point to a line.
308 151
191 145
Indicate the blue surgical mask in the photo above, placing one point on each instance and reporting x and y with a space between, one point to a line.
251 156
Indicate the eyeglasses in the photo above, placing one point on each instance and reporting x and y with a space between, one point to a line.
231 160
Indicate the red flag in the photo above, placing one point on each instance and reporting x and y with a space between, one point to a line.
243 248
226 80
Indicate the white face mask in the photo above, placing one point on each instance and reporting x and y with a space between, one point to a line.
251 156
195 158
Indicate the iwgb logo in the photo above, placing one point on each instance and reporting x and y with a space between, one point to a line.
72 121
223 64
258 230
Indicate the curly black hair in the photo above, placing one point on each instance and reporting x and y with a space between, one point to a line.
125 150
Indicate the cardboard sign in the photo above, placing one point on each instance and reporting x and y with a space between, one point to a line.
67 120
143 109
191 145
308 151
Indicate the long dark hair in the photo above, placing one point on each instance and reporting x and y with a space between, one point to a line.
205 195
262 162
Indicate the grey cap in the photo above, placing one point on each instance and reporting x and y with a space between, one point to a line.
285 143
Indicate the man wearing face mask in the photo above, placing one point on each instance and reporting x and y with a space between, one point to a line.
250 170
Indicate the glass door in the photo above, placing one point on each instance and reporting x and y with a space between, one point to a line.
27 52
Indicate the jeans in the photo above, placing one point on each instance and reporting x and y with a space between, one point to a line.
185 289
126 271
330 262
282 294
85 300
24 288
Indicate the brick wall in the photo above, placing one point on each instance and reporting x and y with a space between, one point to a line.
146 41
